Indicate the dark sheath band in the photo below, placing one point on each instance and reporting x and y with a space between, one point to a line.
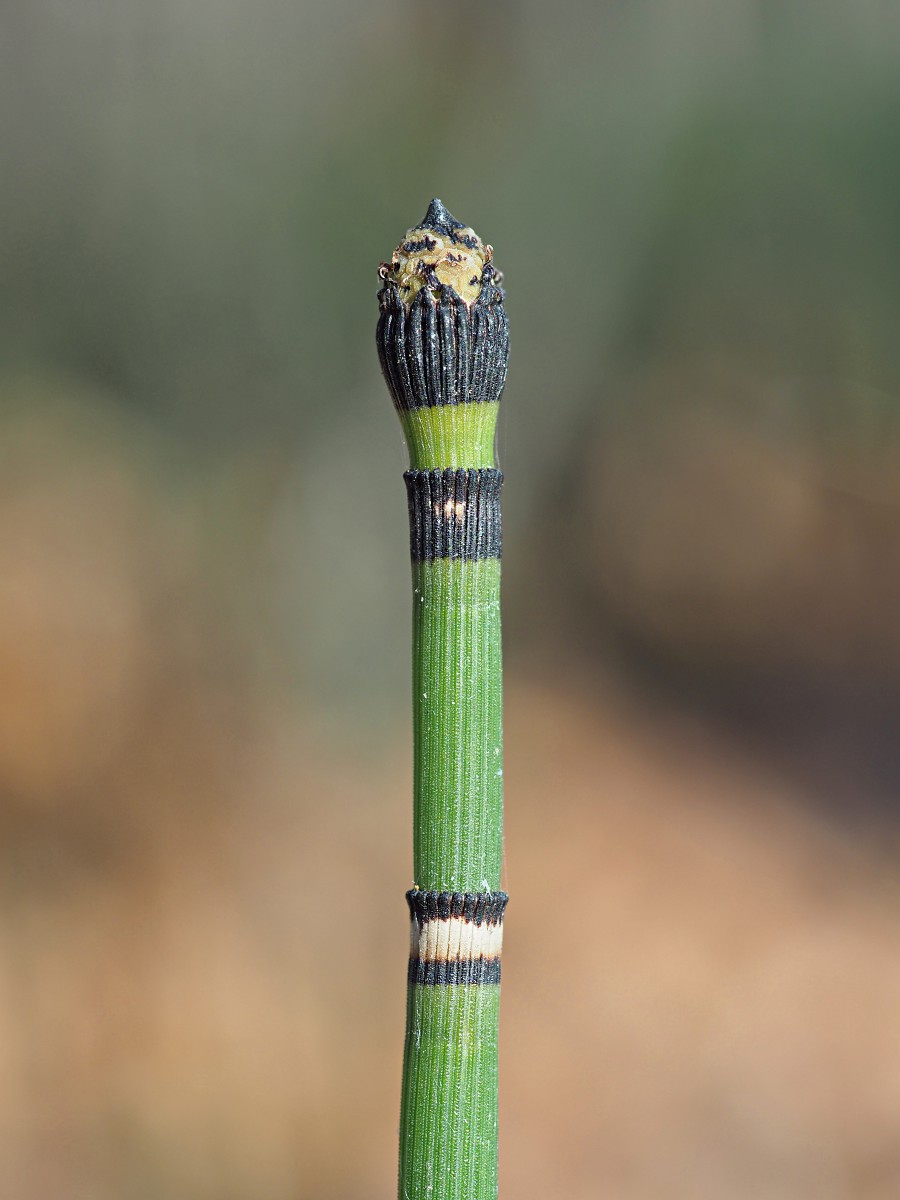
454 514
435 974
480 908
455 937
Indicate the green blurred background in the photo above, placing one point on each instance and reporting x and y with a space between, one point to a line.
204 608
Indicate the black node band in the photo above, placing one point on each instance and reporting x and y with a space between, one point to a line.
481 908
437 974
454 513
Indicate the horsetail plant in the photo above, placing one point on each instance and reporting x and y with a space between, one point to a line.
443 342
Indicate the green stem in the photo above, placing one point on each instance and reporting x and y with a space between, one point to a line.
448 1121
444 353
448 1113
457 726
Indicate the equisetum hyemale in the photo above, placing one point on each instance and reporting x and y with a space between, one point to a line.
443 341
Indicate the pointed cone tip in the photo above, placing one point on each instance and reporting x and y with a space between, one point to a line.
439 219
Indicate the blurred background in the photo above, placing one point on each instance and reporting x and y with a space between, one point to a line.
204 601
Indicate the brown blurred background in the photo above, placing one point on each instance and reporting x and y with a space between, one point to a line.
204 609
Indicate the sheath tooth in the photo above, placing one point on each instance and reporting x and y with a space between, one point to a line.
480 944
453 945
442 941
467 942
496 940
430 941
414 934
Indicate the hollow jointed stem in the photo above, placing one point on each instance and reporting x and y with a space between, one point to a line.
443 343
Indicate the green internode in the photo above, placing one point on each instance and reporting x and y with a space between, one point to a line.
458 726
448 1129
450 435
